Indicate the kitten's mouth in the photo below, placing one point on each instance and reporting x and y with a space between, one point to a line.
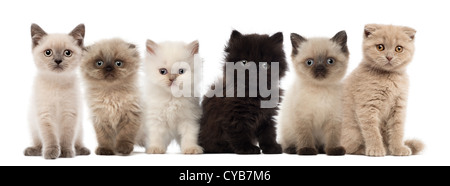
58 68
109 76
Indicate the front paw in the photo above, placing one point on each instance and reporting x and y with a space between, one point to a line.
375 151
307 151
124 147
104 151
52 152
335 151
193 150
67 153
400 151
248 150
155 150
274 149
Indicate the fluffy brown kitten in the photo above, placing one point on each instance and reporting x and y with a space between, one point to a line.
375 94
55 115
110 71
310 117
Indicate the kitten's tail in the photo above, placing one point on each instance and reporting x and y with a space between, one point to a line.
415 145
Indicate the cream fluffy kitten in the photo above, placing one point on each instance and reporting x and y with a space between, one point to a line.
310 118
171 115
375 94
55 114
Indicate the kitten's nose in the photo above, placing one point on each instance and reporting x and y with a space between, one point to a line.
109 68
172 77
58 61
389 58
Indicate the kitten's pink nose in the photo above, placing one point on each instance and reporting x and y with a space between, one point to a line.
388 58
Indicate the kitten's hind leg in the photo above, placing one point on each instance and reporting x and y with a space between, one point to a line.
290 150
351 138
241 137
267 138
36 149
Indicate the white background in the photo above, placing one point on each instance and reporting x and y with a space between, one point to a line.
211 22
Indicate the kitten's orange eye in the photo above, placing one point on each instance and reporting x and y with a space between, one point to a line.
399 49
163 71
380 47
48 52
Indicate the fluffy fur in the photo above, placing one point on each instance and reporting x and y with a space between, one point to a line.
171 115
236 124
110 72
310 118
55 115
375 94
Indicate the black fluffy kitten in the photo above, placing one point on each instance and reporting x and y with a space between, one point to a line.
236 124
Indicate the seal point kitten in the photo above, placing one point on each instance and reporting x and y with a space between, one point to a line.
55 113
310 118
375 94
110 69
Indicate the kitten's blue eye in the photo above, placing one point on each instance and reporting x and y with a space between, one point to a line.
99 63
309 62
67 53
163 71
48 52
181 71
330 61
119 63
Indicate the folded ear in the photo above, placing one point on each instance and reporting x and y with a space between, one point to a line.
193 47
277 37
151 46
78 34
296 40
369 29
341 39
37 33
410 32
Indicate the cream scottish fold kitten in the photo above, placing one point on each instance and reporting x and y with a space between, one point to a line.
55 114
375 94
171 114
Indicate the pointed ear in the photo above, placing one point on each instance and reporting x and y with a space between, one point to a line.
193 47
235 35
410 32
277 37
341 39
36 34
78 34
151 46
369 29
296 40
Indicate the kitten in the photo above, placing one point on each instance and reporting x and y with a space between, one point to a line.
110 70
234 124
55 114
170 66
310 119
375 94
